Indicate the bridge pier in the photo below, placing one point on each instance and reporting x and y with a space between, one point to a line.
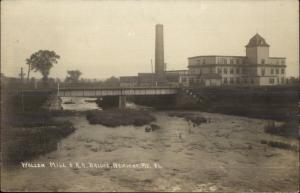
122 102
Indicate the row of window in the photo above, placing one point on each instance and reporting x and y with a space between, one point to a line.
276 80
232 71
243 71
236 61
239 80
231 61
222 61
274 70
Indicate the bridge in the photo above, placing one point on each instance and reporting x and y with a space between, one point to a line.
120 92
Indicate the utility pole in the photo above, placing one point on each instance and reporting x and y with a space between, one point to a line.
22 74
22 97
57 88
152 74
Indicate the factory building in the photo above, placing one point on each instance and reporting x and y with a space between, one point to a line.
257 68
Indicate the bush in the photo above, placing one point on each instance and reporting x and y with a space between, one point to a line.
114 118
288 129
279 144
196 119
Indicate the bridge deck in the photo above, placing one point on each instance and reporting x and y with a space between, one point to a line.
94 92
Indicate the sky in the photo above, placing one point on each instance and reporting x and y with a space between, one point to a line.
117 38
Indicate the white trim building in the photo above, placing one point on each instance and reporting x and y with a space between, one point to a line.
256 68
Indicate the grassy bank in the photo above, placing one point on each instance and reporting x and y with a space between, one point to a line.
114 118
25 142
31 131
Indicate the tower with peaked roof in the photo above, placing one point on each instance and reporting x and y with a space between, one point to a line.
257 50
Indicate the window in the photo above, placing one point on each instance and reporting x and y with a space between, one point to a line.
282 62
231 61
225 80
231 70
198 61
238 80
231 80
183 79
243 71
203 61
263 71
237 70
219 70
277 71
252 81
225 70
263 61
272 71
245 80
282 71
271 80
225 61
282 80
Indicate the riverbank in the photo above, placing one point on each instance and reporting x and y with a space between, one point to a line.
30 134
28 129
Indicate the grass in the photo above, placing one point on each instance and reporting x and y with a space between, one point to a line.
23 143
114 118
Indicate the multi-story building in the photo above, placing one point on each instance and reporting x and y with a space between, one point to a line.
256 68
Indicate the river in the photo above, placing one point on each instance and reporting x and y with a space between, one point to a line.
222 155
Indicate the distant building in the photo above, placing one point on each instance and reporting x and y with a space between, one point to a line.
128 81
177 77
170 78
256 68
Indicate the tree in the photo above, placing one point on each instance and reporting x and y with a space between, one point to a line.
73 76
42 61
112 82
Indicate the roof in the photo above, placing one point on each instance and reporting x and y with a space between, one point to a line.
256 41
215 56
176 70
128 78
277 57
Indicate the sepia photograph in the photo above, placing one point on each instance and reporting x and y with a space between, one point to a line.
150 96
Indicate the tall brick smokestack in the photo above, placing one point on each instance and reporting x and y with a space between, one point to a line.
159 49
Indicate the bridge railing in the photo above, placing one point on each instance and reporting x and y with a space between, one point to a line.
118 88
